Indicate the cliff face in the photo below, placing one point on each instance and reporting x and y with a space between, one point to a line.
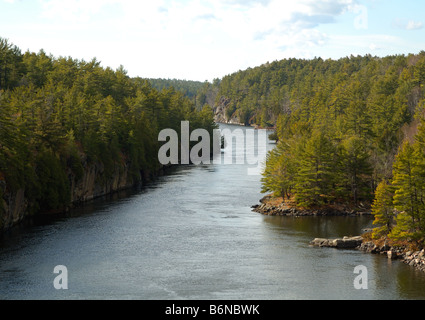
94 183
13 207
220 113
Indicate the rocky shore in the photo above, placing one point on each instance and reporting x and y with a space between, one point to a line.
344 243
277 207
272 206
414 259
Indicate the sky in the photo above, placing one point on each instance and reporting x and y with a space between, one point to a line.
206 39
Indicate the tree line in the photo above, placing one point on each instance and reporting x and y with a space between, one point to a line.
349 133
58 115
187 87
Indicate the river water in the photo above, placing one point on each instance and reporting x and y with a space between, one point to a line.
192 235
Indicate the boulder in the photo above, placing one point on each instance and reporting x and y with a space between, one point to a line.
348 242
344 243
392 254
320 242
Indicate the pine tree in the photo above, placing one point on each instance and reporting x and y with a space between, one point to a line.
356 167
11 67
316 171
407 197
383 210
419 172
278 176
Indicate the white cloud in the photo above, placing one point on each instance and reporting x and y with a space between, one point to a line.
408 25
413 25
239 18
373 47
210 37
71 10
346 45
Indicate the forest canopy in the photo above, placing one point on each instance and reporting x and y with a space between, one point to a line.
59 115
349 133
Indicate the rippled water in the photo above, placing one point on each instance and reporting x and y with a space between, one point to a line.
192 235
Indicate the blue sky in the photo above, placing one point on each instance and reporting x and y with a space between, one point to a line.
207 39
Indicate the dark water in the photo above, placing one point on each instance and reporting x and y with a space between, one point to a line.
192 235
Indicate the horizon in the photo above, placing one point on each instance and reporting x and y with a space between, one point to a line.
203 40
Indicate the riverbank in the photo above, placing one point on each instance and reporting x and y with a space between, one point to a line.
413 258
15 208
273 206
276 206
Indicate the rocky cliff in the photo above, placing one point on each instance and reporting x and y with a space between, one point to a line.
221 113
13 207
94 183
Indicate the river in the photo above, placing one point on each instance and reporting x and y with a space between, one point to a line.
191 234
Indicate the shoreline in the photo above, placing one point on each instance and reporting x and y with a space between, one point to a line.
27 216
271 206
412 258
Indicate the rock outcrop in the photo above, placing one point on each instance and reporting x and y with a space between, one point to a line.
220 113
13 207
273 208
414 259
344 243
94 183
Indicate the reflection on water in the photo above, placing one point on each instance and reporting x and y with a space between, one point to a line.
322 227
192 235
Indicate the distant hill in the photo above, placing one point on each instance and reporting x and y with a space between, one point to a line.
187 87
201 93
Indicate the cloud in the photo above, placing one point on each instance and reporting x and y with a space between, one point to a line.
240 18
278 24
207 17
330 7
245 3
413 25
180 35
82 10
306 21
373 47
346 45
72 10
408 25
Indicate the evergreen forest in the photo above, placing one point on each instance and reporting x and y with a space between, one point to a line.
349 131
60 115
